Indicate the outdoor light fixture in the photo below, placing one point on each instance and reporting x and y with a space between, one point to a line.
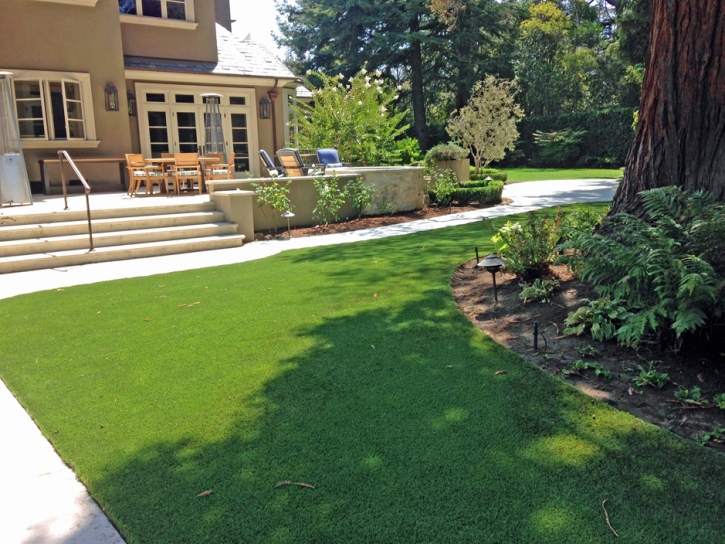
493 264
111 97
488 178
288 215
131 104
265 108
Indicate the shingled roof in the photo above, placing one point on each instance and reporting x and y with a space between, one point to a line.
237 57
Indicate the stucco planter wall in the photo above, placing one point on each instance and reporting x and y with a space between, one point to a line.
398 186
461 167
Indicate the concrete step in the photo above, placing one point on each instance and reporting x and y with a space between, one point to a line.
70 228
143 208
40 261
115 238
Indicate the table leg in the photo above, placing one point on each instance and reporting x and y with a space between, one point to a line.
44 176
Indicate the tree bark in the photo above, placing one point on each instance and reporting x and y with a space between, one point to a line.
416 82
680 138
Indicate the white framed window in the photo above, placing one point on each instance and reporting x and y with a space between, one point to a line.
291 125
53 106
179 10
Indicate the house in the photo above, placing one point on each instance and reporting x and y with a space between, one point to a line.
102 78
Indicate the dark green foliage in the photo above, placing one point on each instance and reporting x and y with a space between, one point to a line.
558 148
667 272
588 351
580 366
359 194
690 396
601 318
445 152
606 142
529 247
476 192
719 401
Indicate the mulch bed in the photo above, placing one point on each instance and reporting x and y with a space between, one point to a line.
511 322
373 221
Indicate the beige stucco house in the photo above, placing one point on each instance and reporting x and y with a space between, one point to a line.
160 56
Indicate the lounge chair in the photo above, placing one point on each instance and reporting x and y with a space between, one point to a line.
329 158
267 162
292 162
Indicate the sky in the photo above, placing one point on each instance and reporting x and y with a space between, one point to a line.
258 17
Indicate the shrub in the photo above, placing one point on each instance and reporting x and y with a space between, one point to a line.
330 199
486 192
273 195
359 194
558 148
444 184
529 248
408 150
669 271
445 152
601 318
358 118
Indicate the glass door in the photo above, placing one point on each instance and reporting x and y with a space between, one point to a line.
239 131
158 131
186 131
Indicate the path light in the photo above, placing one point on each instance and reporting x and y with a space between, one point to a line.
493 264
288 215
488 178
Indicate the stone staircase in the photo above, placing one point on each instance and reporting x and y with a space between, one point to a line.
58 239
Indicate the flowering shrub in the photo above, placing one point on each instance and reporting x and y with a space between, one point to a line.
356 117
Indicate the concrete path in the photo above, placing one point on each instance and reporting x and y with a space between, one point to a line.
41 499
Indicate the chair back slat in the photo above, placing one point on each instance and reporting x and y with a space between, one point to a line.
186 160
291 160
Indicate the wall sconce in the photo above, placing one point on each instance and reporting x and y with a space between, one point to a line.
265 108
131 104
111 97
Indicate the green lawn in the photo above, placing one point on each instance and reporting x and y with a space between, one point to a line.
351 369
540 174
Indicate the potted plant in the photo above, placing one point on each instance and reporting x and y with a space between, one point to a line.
450 157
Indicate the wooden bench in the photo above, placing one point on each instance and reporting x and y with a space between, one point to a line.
45 178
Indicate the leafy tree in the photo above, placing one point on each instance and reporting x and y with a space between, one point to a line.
355 116
487 125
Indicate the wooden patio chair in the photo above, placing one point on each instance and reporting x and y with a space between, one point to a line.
220 170
139 171
291 161
186 168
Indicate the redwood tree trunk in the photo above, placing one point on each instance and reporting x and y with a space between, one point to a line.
680 138
416 82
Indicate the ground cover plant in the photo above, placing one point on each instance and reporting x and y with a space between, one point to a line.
349 369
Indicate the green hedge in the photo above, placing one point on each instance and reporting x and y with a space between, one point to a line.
470 192
606 143
499 175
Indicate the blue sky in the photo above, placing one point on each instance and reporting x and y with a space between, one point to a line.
257 17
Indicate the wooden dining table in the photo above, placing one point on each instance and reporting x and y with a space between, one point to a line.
203 161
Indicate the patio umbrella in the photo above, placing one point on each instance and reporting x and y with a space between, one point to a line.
14 183
214 135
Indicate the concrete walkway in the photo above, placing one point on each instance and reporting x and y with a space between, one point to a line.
41 499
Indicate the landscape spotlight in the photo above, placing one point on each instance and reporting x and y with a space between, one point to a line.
288 215
493 264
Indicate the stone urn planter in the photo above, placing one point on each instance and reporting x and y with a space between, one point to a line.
461 167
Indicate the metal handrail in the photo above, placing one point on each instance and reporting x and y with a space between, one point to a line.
62 154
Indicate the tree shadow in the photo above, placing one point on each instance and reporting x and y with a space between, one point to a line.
398 419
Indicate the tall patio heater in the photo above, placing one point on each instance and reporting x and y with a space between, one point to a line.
14 183
213 134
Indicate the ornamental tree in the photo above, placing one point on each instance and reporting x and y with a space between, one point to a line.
487 124
356 117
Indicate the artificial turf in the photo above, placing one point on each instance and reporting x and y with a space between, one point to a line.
348 368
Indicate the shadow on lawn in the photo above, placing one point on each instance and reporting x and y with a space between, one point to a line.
397 419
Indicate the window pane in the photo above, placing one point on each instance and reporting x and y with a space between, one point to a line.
155 97
151 8
187 135
27 89
31 129
127 6
77 129
188 148
186 119
176 10
157 119
158 149
30 109
57 110
239 135
72 91
242 149
158 135
241 165
237 101
239 120
185 98
75 110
